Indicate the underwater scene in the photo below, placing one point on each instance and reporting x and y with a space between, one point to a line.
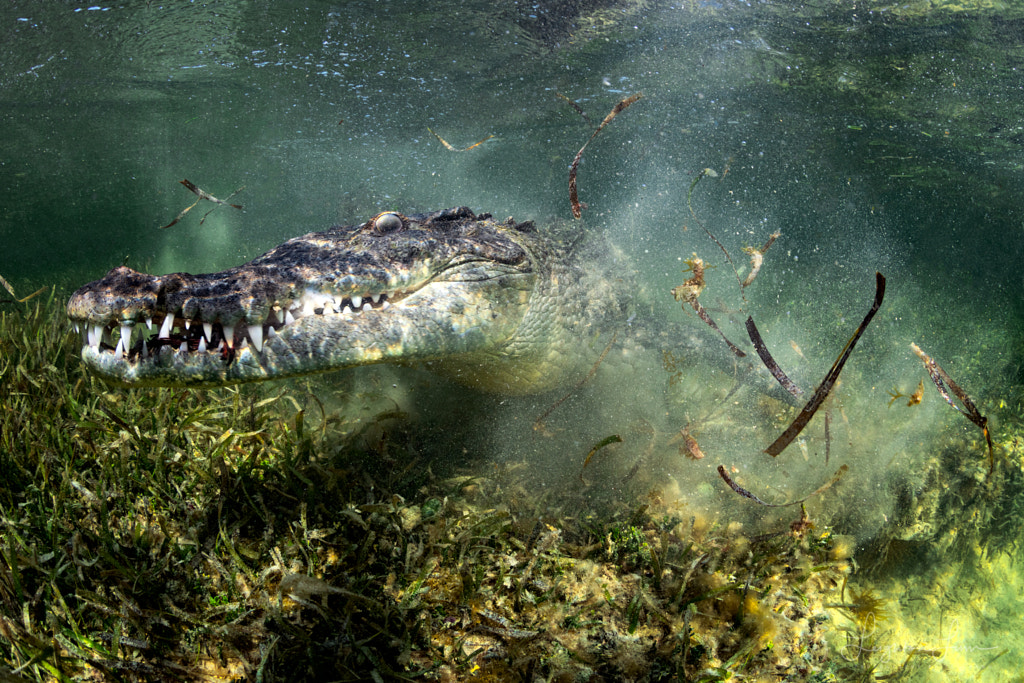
647 341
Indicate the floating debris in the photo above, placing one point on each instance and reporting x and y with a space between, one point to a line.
747 494
578 108
769 362
941 379
456 149
912 400
757 258
7 285
202 194
691 289
690 448
574 199
822 392
606 441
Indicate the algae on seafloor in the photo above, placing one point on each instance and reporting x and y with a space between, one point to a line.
257 532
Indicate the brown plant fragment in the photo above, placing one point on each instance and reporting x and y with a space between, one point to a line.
202 194
607 441
578 108
822 392
574 199
757 258
970 411
456 149
688 293
769 362
747 494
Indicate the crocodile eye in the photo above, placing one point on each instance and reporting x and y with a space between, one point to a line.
387 222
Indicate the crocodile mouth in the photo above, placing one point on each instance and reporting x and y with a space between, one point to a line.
146 337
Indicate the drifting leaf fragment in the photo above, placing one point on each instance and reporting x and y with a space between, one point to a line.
202 194
688 293
606 441
970 411
747 494
456 149
757 258
574 199
578 108
7 286
769 362
822 392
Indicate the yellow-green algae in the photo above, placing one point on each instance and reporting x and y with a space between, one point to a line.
252 534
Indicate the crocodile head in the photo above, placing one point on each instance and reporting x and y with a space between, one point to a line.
459 291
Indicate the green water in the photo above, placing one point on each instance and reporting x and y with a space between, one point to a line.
882 138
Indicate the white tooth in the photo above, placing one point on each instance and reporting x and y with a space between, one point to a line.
308 307
367 306
149 322
95 335
202 344
145 349
242 344
376 298
208 331
119 349
256 335
74 326
188 323
387 304
288 318
126 337
229 336
184 347
357 301
271 333
346 311
166 326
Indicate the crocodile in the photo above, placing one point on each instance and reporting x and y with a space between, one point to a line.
497 305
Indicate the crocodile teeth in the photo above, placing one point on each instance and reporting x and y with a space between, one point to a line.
367 306
357 302
256 335
288 318
119 349
95 334
166 327
149 322
229 336
202 344
208 331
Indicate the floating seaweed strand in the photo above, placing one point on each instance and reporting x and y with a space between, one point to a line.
574 200
747 494
452 148
769 362
940 378
202 194
822 392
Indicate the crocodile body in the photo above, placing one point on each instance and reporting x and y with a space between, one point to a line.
496 305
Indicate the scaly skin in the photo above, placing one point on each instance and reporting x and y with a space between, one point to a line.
495 305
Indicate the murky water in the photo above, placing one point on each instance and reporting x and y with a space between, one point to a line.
881 138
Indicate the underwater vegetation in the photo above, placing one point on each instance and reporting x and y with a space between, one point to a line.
252 533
